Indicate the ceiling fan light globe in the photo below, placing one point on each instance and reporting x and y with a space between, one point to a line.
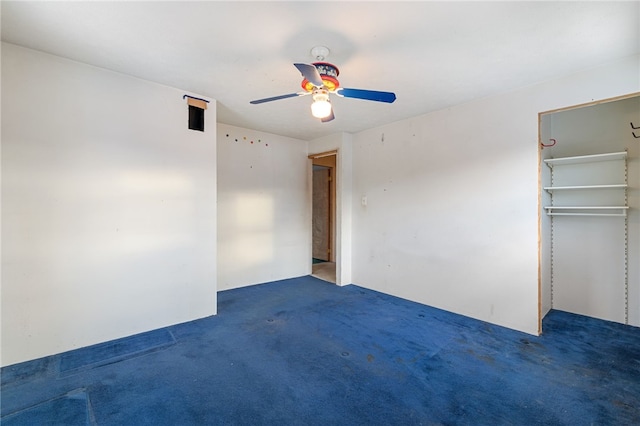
321 109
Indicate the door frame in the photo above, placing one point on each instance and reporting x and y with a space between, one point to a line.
335 255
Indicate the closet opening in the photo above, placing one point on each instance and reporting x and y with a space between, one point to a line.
589 203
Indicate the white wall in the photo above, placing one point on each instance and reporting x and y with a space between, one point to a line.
452 199
342 142
109 206
264 225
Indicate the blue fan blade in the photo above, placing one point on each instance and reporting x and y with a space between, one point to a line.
329 118
275 98
369 95
311 73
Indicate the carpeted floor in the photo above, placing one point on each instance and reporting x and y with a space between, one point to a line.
306 352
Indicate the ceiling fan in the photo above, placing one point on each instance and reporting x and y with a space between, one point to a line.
321 79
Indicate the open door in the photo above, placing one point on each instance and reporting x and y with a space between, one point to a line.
321 223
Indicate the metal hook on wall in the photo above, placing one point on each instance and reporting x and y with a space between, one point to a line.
634 128
550 144
634 135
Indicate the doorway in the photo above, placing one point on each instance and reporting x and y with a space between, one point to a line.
323 229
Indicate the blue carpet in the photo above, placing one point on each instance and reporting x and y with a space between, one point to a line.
116 350
69 410
307 352
25 371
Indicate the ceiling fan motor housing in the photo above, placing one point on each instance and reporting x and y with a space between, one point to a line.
329 74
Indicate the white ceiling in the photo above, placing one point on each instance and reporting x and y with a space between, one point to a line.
431 54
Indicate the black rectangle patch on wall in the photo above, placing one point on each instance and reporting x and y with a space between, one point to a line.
196 118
